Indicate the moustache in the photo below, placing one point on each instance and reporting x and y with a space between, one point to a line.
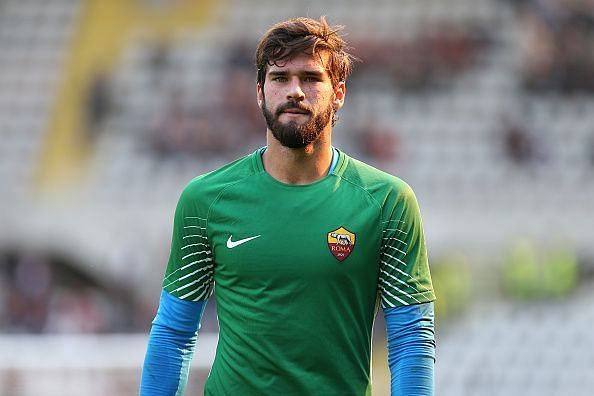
292 105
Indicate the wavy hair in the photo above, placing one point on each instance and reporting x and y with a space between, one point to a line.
287 39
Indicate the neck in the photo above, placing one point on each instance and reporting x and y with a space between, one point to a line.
297 166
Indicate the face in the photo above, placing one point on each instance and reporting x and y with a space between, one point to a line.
298 100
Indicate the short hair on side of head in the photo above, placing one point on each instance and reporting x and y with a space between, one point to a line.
295 36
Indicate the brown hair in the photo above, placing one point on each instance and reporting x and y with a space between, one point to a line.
295 36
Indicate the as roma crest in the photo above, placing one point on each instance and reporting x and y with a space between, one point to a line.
341 243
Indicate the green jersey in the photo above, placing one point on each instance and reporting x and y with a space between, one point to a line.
297 272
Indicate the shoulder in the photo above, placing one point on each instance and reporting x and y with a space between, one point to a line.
205 188
381 185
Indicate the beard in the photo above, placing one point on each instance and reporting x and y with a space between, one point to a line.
292 134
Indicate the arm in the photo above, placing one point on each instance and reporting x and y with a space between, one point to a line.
171 345
411 349
406 293
187 285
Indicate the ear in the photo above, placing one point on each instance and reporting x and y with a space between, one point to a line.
339 94
260 94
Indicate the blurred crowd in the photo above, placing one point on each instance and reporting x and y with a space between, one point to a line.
557 45
430 59
42 295
182 127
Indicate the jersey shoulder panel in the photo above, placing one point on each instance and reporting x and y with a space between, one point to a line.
383 186
404 276
205 188
190 269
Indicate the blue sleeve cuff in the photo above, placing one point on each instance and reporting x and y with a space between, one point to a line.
411 348
171 346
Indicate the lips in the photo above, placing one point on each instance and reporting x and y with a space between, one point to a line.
295 111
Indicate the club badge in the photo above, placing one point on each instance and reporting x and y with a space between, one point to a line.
341 243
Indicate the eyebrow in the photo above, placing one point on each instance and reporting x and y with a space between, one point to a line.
309 73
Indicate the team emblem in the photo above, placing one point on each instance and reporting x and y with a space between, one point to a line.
341 243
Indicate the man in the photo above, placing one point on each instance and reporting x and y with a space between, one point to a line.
299 243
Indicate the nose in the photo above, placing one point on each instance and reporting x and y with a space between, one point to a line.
295 92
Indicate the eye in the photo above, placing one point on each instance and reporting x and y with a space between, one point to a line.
311 79
279 79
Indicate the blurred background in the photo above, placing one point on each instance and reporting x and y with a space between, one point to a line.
109 107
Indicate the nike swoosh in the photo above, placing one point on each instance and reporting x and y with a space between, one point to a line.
231 244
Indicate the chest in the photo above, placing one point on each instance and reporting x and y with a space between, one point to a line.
290 236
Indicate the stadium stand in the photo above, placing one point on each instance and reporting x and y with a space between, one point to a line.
34 38
447 96
525 349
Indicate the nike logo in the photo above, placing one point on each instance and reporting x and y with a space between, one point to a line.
231 244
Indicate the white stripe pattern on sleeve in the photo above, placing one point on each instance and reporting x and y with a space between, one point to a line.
393 285
193 280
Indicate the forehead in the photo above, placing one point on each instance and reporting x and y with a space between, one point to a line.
301 62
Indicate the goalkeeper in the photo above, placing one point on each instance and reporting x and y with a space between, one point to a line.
299 244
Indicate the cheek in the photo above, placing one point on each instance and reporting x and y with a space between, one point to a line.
270 98
321 97
271 89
